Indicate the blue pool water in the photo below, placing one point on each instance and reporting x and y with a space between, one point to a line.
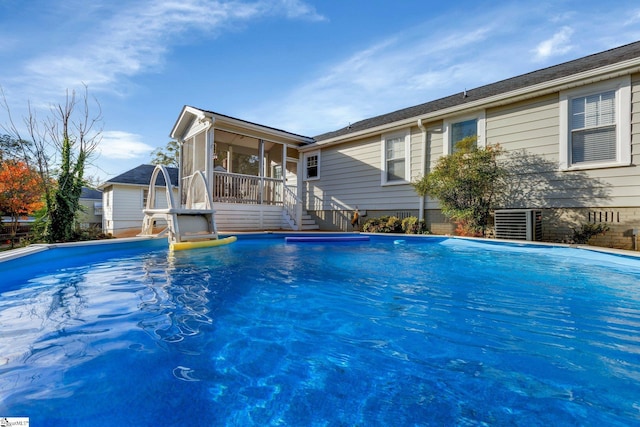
261 332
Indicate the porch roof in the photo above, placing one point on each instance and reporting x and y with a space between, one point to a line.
233 124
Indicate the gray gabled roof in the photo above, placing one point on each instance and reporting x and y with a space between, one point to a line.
181 125
141 175
586 63
252 123
90 193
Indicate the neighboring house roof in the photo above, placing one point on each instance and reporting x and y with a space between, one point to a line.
141 175
90 193
587 63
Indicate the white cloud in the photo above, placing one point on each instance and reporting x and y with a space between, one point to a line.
558 44
136 40
632 18
122 145
390 74
296 9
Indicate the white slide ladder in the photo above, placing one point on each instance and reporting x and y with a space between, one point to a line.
194 221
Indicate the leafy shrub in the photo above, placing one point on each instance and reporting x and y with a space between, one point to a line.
467 229
384 224
467 183
587 231
90 233
413 225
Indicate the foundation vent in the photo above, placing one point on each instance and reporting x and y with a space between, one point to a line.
403 215
604 216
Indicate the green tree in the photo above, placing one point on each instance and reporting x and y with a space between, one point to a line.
467 184
168 156
76 141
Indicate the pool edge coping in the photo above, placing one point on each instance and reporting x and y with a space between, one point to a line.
40 247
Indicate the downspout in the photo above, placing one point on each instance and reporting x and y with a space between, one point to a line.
423 165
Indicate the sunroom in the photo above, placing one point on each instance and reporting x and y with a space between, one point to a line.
251 170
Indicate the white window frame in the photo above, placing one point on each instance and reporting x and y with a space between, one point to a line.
305 157
145 196
403 134
622 87
480 118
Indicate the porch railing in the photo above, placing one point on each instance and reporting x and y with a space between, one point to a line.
238 188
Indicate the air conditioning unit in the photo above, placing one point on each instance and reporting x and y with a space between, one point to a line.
518 224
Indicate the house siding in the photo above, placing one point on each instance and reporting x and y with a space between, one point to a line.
351 177
242 217
87 217
528 131
127 217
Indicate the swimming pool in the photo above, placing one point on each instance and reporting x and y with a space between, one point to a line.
391 331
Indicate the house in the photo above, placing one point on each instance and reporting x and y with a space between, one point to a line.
571 135
124 197
91 213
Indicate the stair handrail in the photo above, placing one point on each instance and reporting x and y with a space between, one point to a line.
292 204
151 196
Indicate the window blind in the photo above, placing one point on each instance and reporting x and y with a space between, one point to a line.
395 159
593 128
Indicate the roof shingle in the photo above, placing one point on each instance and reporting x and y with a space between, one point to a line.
141 175
612 56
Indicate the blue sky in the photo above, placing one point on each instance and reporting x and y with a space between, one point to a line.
303 66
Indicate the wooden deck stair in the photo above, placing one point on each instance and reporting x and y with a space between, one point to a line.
306 221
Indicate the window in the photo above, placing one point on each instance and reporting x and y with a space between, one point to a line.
459 128
145 196
312 165
595 126
462 130
395 167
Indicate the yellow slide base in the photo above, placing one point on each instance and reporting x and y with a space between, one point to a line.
181 246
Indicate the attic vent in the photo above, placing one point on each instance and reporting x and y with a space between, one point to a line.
519 224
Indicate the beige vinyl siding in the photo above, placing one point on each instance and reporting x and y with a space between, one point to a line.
529 132
416 154
531 125
635 120
350 176
435 141
87 215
